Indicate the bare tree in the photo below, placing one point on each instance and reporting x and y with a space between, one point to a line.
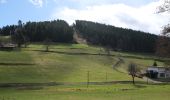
18 36
133 70
165 7
163 44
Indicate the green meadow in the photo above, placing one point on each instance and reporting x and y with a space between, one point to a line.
69 64
94 92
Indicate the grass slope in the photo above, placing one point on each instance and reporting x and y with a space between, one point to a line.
65 63
94 92
70 63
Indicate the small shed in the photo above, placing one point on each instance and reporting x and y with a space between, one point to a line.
6 43
158 72
8 46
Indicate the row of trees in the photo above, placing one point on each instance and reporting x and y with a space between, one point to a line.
55 31
116 38
95 33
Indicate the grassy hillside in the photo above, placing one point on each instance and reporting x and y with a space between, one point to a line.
70 63
66 63
97 92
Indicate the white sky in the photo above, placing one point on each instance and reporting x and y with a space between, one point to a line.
143 17
133 14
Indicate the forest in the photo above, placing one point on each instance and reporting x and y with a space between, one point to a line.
117 38
108 36
56 31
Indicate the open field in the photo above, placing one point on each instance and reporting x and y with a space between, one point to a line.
70 63
94 92
65 63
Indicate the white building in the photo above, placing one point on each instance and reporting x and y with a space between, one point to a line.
160 72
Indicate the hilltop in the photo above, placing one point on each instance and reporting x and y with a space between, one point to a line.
59 31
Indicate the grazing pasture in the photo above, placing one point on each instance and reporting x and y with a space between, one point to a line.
62 74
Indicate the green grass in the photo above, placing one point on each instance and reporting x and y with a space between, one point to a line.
94 92
70 63
15 57
65 63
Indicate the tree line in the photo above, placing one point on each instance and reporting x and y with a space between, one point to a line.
56 31
116 38
95 33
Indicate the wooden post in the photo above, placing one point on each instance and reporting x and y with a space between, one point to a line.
106 76
88 79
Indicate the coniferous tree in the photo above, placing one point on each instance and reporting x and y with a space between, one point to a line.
18 36
116 38
155 63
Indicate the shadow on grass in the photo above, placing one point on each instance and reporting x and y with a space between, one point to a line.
38 86
162 80
15 64
164 83
139 86
69 48
71 53
30 88
83 53
29 85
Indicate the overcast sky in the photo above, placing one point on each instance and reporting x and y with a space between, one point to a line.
133 14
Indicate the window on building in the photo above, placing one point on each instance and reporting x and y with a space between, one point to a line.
162 75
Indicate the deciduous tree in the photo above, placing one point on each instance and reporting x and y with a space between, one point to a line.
133 70
163 44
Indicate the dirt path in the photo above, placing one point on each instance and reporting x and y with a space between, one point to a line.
148 80
116 65
78 38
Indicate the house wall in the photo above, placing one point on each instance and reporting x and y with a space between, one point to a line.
167 74
161 75
162 72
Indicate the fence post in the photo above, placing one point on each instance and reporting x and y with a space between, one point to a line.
88 79
106 76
